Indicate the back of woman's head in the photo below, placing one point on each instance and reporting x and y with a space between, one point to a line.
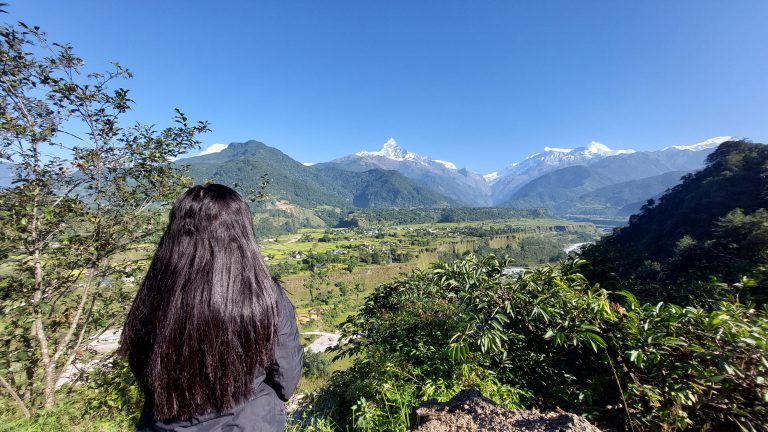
204 323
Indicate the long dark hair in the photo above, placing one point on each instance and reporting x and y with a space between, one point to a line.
204 323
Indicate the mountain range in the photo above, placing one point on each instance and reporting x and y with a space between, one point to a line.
243 164
443 177
592 180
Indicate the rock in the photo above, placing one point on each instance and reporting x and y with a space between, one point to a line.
469 410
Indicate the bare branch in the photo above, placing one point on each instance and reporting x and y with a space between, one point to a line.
16 98
80 337
64 341
15 396
37 324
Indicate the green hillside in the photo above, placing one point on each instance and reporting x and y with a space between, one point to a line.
552 189
617 198
591 190
383 188
712 225
245 163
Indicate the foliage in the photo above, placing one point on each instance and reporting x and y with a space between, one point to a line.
110 401
111 391
316 365
692 368
271 223
699 242
310 424
82 206
548 339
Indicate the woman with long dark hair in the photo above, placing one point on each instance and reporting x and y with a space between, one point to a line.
211 338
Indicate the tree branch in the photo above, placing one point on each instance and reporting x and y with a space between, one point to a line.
64 341
16 98
79 338
15 397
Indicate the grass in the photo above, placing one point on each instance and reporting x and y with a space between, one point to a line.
309 385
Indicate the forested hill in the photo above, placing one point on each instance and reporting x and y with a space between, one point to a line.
243 164
364 217
379 188
713 224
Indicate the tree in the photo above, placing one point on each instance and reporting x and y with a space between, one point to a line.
86 202
318 275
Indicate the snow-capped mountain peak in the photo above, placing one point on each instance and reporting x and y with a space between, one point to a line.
393 151
390 150
598 148
710 143
461 185
491 176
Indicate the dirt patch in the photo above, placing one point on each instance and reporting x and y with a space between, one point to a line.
285 206
470 411
323 342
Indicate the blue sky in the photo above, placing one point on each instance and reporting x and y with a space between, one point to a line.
480 83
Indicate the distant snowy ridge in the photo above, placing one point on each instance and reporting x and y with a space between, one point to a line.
601 149
537 163
558 157
559 150
446 164
708 144
594 148
213 148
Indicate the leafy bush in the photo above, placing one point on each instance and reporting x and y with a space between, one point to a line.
109 400
316 365
548 339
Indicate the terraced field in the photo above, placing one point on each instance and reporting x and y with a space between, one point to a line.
329 268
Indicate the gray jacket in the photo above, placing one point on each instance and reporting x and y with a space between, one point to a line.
265 411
